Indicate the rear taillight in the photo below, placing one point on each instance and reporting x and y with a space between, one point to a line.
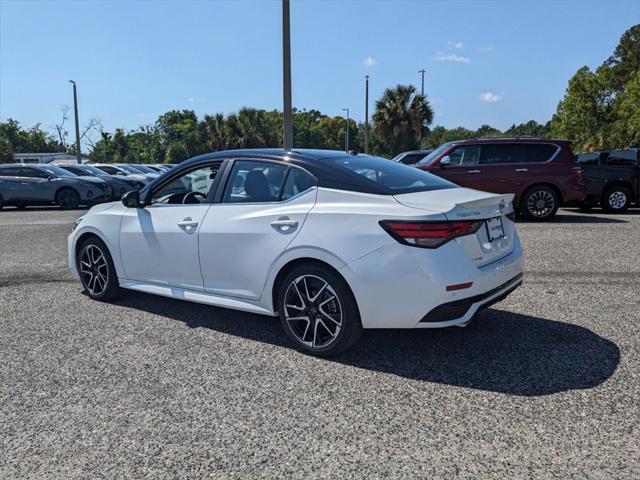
428 234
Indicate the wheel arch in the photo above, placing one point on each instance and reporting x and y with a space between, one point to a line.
296 262
618 183
82 238
550 185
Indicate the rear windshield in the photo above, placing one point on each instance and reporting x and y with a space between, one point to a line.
394 178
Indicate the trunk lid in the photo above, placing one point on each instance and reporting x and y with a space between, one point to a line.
460 204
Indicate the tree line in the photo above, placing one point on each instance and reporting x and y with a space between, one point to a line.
600 110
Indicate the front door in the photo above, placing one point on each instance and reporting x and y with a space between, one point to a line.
159 243
262 209
464 167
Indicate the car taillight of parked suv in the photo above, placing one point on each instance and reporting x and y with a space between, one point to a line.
541 173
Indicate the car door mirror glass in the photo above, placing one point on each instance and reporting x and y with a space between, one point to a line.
131 199
444 161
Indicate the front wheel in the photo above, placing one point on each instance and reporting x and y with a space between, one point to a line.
318 311
540 203
97 273
67 199
616 199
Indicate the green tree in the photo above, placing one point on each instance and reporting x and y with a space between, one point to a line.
400 119
176 152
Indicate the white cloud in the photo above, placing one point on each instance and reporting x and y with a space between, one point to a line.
487 49
370 62
450 57
192 99
456 45
490 97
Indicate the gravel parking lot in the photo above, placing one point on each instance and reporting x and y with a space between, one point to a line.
545 384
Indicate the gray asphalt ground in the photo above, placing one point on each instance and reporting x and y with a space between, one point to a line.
544 385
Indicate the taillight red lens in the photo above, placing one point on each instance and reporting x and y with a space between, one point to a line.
428 234
578 172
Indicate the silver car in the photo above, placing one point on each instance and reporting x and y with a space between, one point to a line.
24 185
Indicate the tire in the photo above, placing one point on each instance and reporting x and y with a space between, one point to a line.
67 199
616 199
21 206
328 321
1 203
96 270
540 203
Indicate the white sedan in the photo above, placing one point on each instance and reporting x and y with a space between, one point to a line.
331 242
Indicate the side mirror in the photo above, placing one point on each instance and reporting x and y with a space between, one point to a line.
444 161
131 199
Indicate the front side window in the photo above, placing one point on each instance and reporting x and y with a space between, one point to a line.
254 182
465 155
34 173
192 187
435 154
110 170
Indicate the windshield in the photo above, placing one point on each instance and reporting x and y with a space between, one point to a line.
145 169
394 177
93 171
130 169
57 171
435 154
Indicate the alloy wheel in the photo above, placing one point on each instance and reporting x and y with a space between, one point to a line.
313 311
94 270
617 200
540 203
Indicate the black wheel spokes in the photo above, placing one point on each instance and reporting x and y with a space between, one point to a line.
94 270
313 311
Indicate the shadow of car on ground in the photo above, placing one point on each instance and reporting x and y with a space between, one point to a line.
500 352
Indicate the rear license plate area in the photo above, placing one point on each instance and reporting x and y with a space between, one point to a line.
495 228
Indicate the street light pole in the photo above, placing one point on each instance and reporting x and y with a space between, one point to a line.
286 78
75 109
422 72
346 134
366 114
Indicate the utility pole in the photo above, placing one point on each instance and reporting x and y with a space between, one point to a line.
346 133
286 78
422 72
366 114
75 108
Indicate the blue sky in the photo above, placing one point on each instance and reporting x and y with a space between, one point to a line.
487 62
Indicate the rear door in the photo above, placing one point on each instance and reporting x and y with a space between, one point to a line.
262 208
36 185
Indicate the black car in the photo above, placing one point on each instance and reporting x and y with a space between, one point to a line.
412 157
118 183
612 179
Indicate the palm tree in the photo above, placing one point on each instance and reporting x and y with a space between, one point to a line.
214 132
246 129
400 119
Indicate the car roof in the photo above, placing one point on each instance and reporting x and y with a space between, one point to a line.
316 162
523 139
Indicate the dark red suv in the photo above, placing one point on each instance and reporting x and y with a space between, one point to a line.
541 173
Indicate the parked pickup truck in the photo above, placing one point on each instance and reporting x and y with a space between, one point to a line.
612 179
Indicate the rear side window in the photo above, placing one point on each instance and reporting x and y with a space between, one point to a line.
33 173
297 182
393 177
536 152
254 182
499 153
10 172
626 157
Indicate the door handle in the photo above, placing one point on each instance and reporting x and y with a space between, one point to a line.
473 171
521 169
187 223
284 224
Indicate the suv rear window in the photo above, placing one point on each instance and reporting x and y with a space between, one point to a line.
395 178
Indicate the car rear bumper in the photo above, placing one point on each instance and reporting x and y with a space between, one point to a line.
398 286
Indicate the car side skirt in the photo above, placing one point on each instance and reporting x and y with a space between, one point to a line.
195 296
